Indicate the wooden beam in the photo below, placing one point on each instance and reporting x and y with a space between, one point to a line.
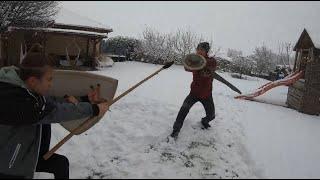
299 59
44 40
94 63
100 48
87 53
1 52
5 45
94 47
82 28
295 61
64 33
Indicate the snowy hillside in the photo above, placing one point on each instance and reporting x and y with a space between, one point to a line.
247 139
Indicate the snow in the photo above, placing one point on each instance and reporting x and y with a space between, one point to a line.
286 147
58 30
114 55
105 61
68 17
67 63
225 57
247 139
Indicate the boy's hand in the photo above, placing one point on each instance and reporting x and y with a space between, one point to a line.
94 95
71 99
103 108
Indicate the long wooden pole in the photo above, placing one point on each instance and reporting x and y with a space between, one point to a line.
87 122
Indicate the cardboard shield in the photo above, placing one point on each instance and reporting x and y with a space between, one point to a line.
77 83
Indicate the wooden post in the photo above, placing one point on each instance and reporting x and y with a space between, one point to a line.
87 53
44 41
94 63
94 47
6 51
1 51
100 47
299 59
295 61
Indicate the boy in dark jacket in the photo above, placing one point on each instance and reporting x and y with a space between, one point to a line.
26 115
201 90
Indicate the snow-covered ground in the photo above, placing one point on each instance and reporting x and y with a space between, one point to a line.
247 139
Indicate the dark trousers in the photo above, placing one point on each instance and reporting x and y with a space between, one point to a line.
56 164
5 176
190 100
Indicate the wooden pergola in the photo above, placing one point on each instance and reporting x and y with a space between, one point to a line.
55 38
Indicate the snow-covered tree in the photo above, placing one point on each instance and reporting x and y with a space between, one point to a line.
27 13
215 50
154 45
285 54
161 47
121 45
240 63
232 53
265 59
244 65
185 42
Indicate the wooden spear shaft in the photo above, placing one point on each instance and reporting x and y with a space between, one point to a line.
87 122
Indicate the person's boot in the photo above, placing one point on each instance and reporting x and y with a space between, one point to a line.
205 124
174 134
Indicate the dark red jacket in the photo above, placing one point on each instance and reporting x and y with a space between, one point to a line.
201 86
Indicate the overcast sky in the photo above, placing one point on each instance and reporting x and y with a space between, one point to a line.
238 25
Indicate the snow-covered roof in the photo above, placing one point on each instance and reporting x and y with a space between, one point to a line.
67 17
62 31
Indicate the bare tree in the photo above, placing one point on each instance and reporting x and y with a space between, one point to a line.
214 50
185 42
170 52
280 56
160 47
154 45
284 55
27 13
288 52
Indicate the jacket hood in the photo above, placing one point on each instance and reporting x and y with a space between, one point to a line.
9 75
